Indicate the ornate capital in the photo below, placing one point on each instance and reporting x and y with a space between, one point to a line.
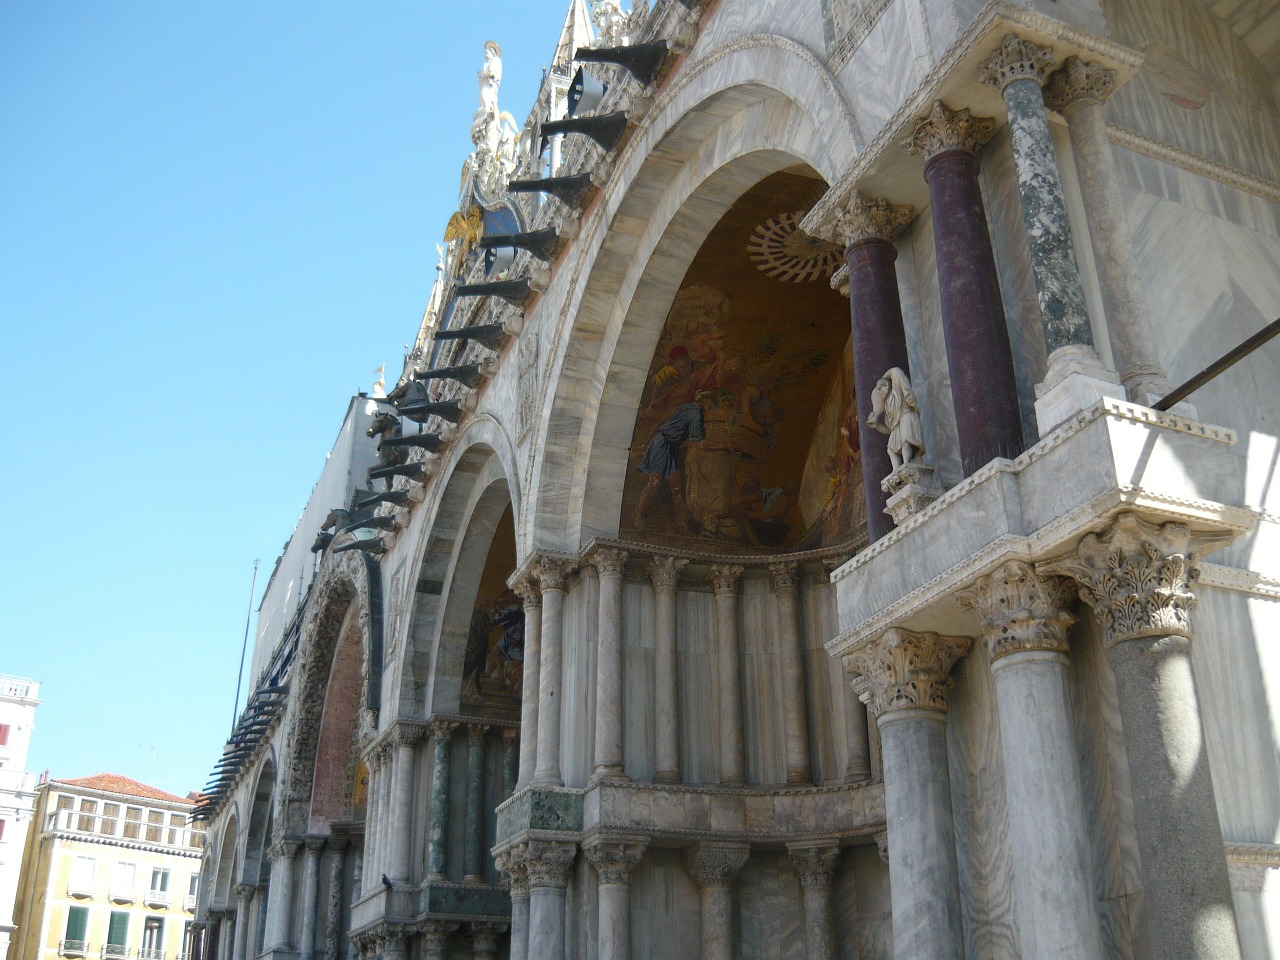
314 843
1078 82
901 670
550 573
526 588
1017 59
785 576
715 864
547 862
514 869
725 576
285 848
484 938
1021 610
476 732
614 857
947 129
871 218
882 846
441 728
815 863
665 571
435 935
1138 577
510 735
609 561
408 734
244 892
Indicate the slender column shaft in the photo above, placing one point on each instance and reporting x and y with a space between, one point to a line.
713 867
371 807
1077 91
665 574
473 871
244 896
402 813
983 388
515 869
484 940
614 857
794 713
510 760
551 574
435 938
395 947
815 863
867 227
333 915
442 733
609 665
732 758
528 591
310 895
281 904
548 865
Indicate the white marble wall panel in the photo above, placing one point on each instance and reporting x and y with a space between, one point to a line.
770 915
887 66
638 715
665 916
737 18
582 913
762 687
860 905
699 687
577 736
835 713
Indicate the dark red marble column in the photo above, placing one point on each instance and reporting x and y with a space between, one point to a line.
983 388
879 341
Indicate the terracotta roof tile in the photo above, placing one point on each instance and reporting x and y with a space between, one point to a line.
116 783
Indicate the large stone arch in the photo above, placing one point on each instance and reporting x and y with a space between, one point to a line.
259 828
225 875
347 595
736 115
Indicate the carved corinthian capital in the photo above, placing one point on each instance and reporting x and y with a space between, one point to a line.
526 588
547 862
1078 82
1017 59
514 869
1138 576
441 728
665 571
551 572
815 863
1021 610
614 857
901 670
947 129
724 577
715 864
785 576
609 561
871 218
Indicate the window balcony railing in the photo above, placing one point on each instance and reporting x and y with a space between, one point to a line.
78 888
123 896
73 948
115 951
150 953
189 903
158 898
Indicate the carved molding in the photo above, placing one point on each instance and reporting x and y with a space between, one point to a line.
1138 576
715 864
665 571
815 864
947 129
1077 81
869 218
1017 59
902 670
725 577
614 857
1021 610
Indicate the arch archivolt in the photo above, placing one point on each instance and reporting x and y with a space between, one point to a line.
738 114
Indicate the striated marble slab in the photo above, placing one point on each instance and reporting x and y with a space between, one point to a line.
536 808
464 900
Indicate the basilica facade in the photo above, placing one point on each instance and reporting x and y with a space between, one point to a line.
787 537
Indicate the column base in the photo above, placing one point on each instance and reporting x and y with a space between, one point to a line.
666 776
611 772
1075 381
911 488
798 777
473 878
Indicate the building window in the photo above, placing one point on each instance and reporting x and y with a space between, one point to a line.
132 823
187 948
117 935
152 939
176 822
155 822
88 809
64 803
159 892
81 882
4 734
75 939
123 882
110 817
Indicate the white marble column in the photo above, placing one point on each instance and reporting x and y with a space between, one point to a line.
438 838
372 792
614 857
795 719
815 862
394 944
401 846
1025 623
1077 90
513 867
484 940
333 913
527 588
713 867
547 863
1139 577
551 579
610 563
215 934
244 896
904 678
280 906
664 572
434 936
310 895
724 577
473 829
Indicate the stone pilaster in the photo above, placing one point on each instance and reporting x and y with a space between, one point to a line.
333 915
725 577
434 938
1025 622
1078 91
406 737
280 906
1139 579
516 874
867 227
664 572
713 867
547 863
473 836
983 387
441 731
532 600
816 864
314 846
551 575
786 591
614 857
904 678
610 563
244 896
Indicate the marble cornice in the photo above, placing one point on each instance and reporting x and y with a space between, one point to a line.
1268 190
880 167
1239 579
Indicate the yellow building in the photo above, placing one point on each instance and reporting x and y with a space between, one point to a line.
109 871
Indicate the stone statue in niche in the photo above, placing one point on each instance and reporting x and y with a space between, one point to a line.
894 411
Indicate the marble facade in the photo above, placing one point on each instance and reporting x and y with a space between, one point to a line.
1036 717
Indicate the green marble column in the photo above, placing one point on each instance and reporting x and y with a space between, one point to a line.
473 845
442 733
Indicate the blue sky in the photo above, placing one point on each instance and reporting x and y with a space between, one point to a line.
217 218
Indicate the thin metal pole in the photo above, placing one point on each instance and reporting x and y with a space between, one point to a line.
1219 365
244 646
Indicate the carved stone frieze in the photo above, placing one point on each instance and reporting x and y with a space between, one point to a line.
1138 577
902 670
871 218
815 863
715 864
1077 81
609 561
725 577
614 857
1021 610
947 129
1017 59
665 571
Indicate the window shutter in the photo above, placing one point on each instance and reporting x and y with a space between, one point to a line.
118 929
77 923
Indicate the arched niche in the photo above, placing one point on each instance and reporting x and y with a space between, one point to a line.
225 877
258 833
